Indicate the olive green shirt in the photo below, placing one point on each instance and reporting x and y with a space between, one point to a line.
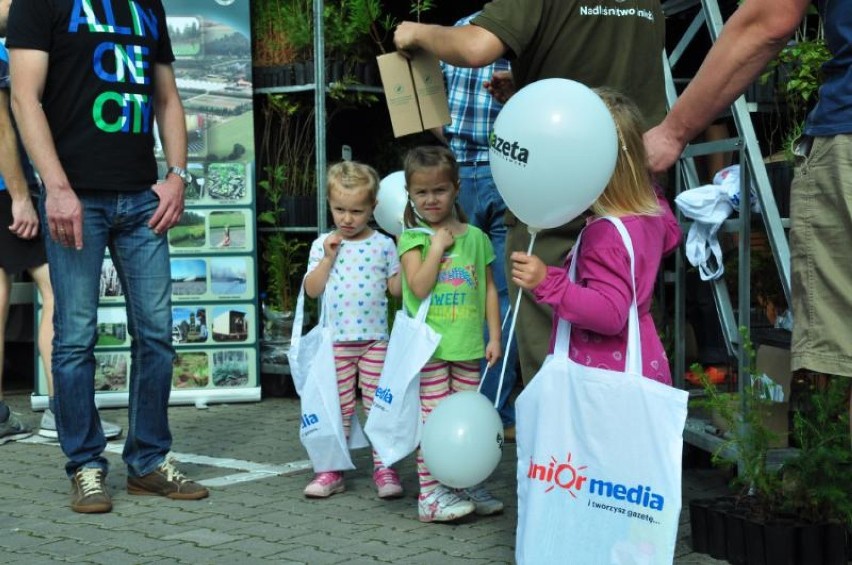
613 43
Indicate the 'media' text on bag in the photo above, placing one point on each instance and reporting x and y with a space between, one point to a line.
567 477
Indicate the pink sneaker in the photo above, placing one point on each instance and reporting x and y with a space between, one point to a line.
387 483
325 484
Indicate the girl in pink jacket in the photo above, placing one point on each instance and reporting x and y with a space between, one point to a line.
598 303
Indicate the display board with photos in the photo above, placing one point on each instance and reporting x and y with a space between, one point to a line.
213 247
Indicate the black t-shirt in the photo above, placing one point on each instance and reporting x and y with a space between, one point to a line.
99 92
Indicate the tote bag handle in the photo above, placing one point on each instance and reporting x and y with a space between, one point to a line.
633 357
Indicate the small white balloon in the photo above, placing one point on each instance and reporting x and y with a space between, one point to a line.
553 151
462 440
392 199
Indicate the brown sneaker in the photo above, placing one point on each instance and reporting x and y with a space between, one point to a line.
166 481
88 494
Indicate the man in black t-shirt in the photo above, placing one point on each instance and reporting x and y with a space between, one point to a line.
88 79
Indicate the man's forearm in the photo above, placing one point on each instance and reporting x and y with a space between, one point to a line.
10 159
38 141
750 39
462 46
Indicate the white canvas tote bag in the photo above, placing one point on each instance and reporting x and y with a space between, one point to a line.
599 458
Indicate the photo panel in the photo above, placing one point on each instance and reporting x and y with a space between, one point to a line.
233 368
186 34
189 325
227 183
112 327
194 191
191 370
233 323
231 278
228 230
190 233
189 278
109 289
111 371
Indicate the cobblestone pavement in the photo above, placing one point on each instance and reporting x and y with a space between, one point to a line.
250 457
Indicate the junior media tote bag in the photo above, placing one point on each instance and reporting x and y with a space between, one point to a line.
311 360
394 423
599 458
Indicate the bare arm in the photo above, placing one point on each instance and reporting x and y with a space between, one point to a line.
395 285
422 274
24 217
462 46
28 68
316 280
492 318
751 37
172 126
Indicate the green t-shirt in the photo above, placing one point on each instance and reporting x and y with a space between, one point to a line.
457 310
595 42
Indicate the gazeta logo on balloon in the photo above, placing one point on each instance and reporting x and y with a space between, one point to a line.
565 476
508 149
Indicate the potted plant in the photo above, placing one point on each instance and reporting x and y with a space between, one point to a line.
778 510
796 75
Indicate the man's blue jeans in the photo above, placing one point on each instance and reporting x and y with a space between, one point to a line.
485 209
118 221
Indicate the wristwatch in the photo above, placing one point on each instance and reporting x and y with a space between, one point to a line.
182 173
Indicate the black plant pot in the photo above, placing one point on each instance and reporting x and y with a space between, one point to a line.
809 543
835 542
780 543
735 544
754 544
716 539
698 510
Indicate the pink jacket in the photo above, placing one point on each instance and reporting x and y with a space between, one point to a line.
597 305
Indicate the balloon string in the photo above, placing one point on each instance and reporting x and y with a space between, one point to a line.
533 233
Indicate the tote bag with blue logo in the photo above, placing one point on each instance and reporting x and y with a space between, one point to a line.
599 458
311 359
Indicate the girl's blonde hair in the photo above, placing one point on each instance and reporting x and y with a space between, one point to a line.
427 157
629 191
355 177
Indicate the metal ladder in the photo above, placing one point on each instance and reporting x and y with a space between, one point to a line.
753 172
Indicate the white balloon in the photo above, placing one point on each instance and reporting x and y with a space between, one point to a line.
392 199
462 440
553 151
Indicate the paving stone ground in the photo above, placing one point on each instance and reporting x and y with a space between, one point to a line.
250 456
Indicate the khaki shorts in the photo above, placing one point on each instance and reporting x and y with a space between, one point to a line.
821 257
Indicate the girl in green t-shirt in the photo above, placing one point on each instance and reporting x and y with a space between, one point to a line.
450 265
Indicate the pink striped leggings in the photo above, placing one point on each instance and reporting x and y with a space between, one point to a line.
361 362
439 379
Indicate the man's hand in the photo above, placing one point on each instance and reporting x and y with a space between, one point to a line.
405 38
64 217
24 218
662 148
170 208
501 86
527 270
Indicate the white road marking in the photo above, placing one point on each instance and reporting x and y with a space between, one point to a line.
251 471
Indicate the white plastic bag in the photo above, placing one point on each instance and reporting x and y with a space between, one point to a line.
394 424
311 359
